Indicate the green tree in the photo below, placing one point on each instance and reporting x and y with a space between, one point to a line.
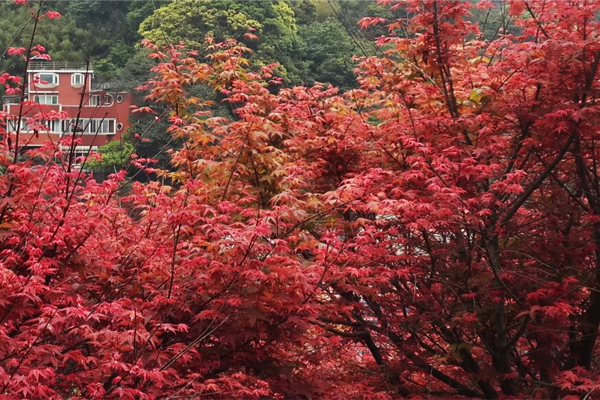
305 11
115 156
16 27
329 51
191 21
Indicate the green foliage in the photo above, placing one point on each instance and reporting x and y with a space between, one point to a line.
323 10
157 143
16 25
138 11
114 154
94 12
135 71
191 21
330 53
305 37
305 11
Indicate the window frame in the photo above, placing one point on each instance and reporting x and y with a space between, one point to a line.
45 96
38 80
11 125
110 98
95 96
77 75
89 126
53 125
81 151
103 100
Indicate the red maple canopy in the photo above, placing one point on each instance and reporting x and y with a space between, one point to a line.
434 233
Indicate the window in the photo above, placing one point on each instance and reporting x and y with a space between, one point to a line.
46 79
83 151
68 125
11 125
77 80
53 126
91 126
107 100
80 153
46 99
10 99
95 100
119 126
120 98
108 126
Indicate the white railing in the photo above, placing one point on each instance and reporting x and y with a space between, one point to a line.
56 65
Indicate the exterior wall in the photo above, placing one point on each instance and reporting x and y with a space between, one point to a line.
69 98
67 93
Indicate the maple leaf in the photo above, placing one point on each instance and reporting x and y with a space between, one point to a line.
16 50
369 21
250 36
52 15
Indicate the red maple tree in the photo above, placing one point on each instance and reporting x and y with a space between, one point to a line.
435 232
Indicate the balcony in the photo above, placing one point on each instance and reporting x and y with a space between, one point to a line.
35 66
11 99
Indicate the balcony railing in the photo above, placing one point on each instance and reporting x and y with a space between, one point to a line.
11 99
56 65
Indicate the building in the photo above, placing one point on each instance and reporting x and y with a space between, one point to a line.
59 86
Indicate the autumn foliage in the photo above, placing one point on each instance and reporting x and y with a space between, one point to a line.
434 233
